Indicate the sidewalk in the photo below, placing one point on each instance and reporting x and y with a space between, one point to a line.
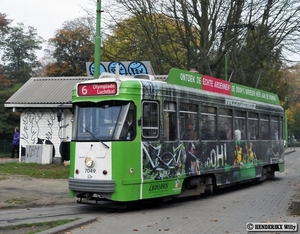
42 192
295 207
18 191
290 150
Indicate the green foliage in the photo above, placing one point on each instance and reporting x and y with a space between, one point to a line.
8 119
149 37
294 120
46 171
4 22
257 62
19 52
251 35
72 49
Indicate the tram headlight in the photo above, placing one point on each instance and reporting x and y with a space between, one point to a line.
89 162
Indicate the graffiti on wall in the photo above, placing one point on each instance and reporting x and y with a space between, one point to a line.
125 68
41 127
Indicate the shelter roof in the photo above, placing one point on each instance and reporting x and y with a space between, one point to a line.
45 92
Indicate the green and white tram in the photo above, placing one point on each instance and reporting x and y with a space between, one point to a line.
187 135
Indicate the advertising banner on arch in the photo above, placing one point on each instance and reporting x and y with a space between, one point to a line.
242 91
126 68
204 82
216 85
185 78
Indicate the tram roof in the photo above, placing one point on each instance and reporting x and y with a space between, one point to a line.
187 79
49 92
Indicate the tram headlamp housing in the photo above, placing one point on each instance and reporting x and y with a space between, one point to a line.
89 162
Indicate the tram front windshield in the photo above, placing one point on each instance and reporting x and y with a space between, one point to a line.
100 121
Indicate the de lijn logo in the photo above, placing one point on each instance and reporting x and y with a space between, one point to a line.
125 68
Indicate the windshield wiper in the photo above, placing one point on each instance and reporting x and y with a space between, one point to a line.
105 145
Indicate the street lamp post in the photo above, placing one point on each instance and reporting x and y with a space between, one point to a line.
97 52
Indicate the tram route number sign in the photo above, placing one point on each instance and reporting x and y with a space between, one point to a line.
97 89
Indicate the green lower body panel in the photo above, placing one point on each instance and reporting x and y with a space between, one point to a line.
159 188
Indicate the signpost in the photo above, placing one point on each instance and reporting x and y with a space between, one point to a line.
97 53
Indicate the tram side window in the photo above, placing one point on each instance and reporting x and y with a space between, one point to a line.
252 126
150 119
188 121
170 123
281 129
240 128
274 128
208 123
264 131
225 124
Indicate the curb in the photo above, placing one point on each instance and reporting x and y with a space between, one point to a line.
296 206
290 151
69 226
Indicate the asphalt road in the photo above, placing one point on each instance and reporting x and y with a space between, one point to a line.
227 211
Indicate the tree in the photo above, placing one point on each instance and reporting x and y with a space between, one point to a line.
127 42
291 76
8 119
291 101
4 22
19 52
265 65
71 49
294 120
211 31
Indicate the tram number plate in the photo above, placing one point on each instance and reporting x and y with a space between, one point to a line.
90 170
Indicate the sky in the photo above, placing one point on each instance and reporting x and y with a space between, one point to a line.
48 15
44 15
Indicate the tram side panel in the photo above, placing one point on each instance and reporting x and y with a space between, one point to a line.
126 172
229 162
233 162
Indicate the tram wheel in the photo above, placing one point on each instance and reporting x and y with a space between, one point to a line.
270 173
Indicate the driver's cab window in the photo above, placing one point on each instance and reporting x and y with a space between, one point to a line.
129 127
105 121
150 119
